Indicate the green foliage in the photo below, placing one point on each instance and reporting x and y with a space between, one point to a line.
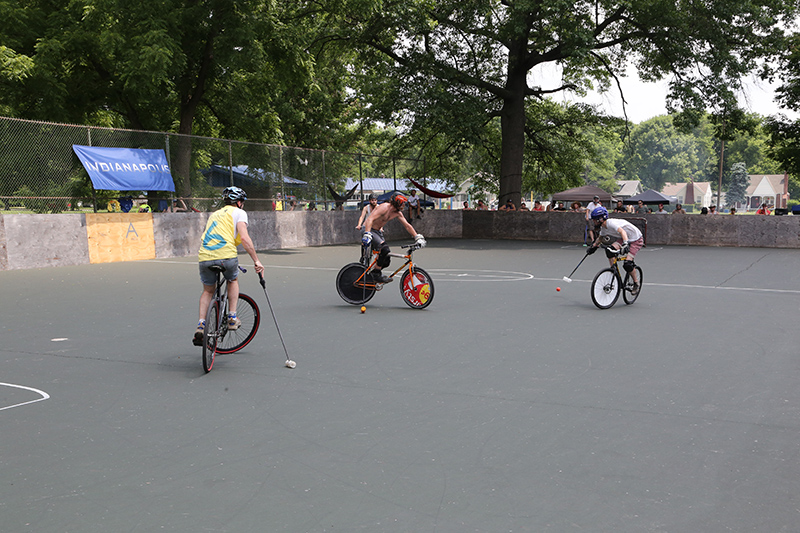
659 153
451 67
737 184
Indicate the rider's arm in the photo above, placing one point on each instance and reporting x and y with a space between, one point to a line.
362 217
247 244
409 228
623 234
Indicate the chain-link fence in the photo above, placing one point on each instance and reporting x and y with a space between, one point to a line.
40 173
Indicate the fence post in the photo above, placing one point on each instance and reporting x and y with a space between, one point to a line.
325 182
280 166
230 160
94 192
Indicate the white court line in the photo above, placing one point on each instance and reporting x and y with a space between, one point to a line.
526 276
45 396
686 286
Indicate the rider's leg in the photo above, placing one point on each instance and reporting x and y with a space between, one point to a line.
233 296
205 299
635 246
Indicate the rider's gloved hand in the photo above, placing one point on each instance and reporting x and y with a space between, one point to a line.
591 250
625 249
419 239
366 239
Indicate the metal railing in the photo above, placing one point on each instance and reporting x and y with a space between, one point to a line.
40 173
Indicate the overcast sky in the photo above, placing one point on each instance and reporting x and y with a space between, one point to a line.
647 100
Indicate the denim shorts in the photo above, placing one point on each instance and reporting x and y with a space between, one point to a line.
231 272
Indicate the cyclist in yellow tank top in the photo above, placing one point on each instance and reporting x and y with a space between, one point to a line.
225 229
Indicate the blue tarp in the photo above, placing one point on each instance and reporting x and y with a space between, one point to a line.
126 169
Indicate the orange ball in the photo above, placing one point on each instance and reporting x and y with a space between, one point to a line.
558 289
363 309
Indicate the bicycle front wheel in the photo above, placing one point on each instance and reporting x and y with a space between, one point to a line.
416 288
350 284
211 335
605 288
233 340
628 293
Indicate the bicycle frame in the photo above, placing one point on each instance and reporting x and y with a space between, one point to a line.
377 286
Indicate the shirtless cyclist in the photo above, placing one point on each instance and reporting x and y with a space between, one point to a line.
373 232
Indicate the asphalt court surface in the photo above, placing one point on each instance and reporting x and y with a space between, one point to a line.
504 406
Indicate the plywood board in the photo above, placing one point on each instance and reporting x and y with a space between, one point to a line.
120 237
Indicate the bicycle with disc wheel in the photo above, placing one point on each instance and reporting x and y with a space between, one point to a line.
217 338
609 283
355 285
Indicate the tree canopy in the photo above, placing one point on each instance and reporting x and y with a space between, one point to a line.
478 56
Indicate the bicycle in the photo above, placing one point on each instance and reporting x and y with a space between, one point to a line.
608 283
217 338
355 286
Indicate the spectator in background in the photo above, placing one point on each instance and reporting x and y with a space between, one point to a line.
712 210
704 211
509 206
661 210
763 210
733 210
576 207
466 206
277 205
679 210
594 204
620 208
178 206
312 206
560 207
523 207
413 204
292 205
640 208
537 206
482 206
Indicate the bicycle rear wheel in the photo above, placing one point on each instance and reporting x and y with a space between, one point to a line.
605 288
416 289
627 287
210 335
350 284
233 340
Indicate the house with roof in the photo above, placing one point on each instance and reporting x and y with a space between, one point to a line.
628 188
771 189
690 193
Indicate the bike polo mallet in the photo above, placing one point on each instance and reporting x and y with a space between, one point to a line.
568 279
289 363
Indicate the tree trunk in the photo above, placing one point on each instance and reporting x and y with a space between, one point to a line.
512 123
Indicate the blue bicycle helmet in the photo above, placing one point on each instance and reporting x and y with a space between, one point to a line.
231 195
599 213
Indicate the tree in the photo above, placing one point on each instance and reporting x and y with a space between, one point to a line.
212 68
479 55
659 153
784 132
738 182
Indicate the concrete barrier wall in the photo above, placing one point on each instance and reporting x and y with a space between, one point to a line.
35 241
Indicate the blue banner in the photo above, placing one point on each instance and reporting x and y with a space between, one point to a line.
126 169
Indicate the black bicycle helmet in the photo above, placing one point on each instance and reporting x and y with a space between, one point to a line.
231 195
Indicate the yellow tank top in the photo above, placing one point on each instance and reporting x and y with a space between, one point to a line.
219 238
